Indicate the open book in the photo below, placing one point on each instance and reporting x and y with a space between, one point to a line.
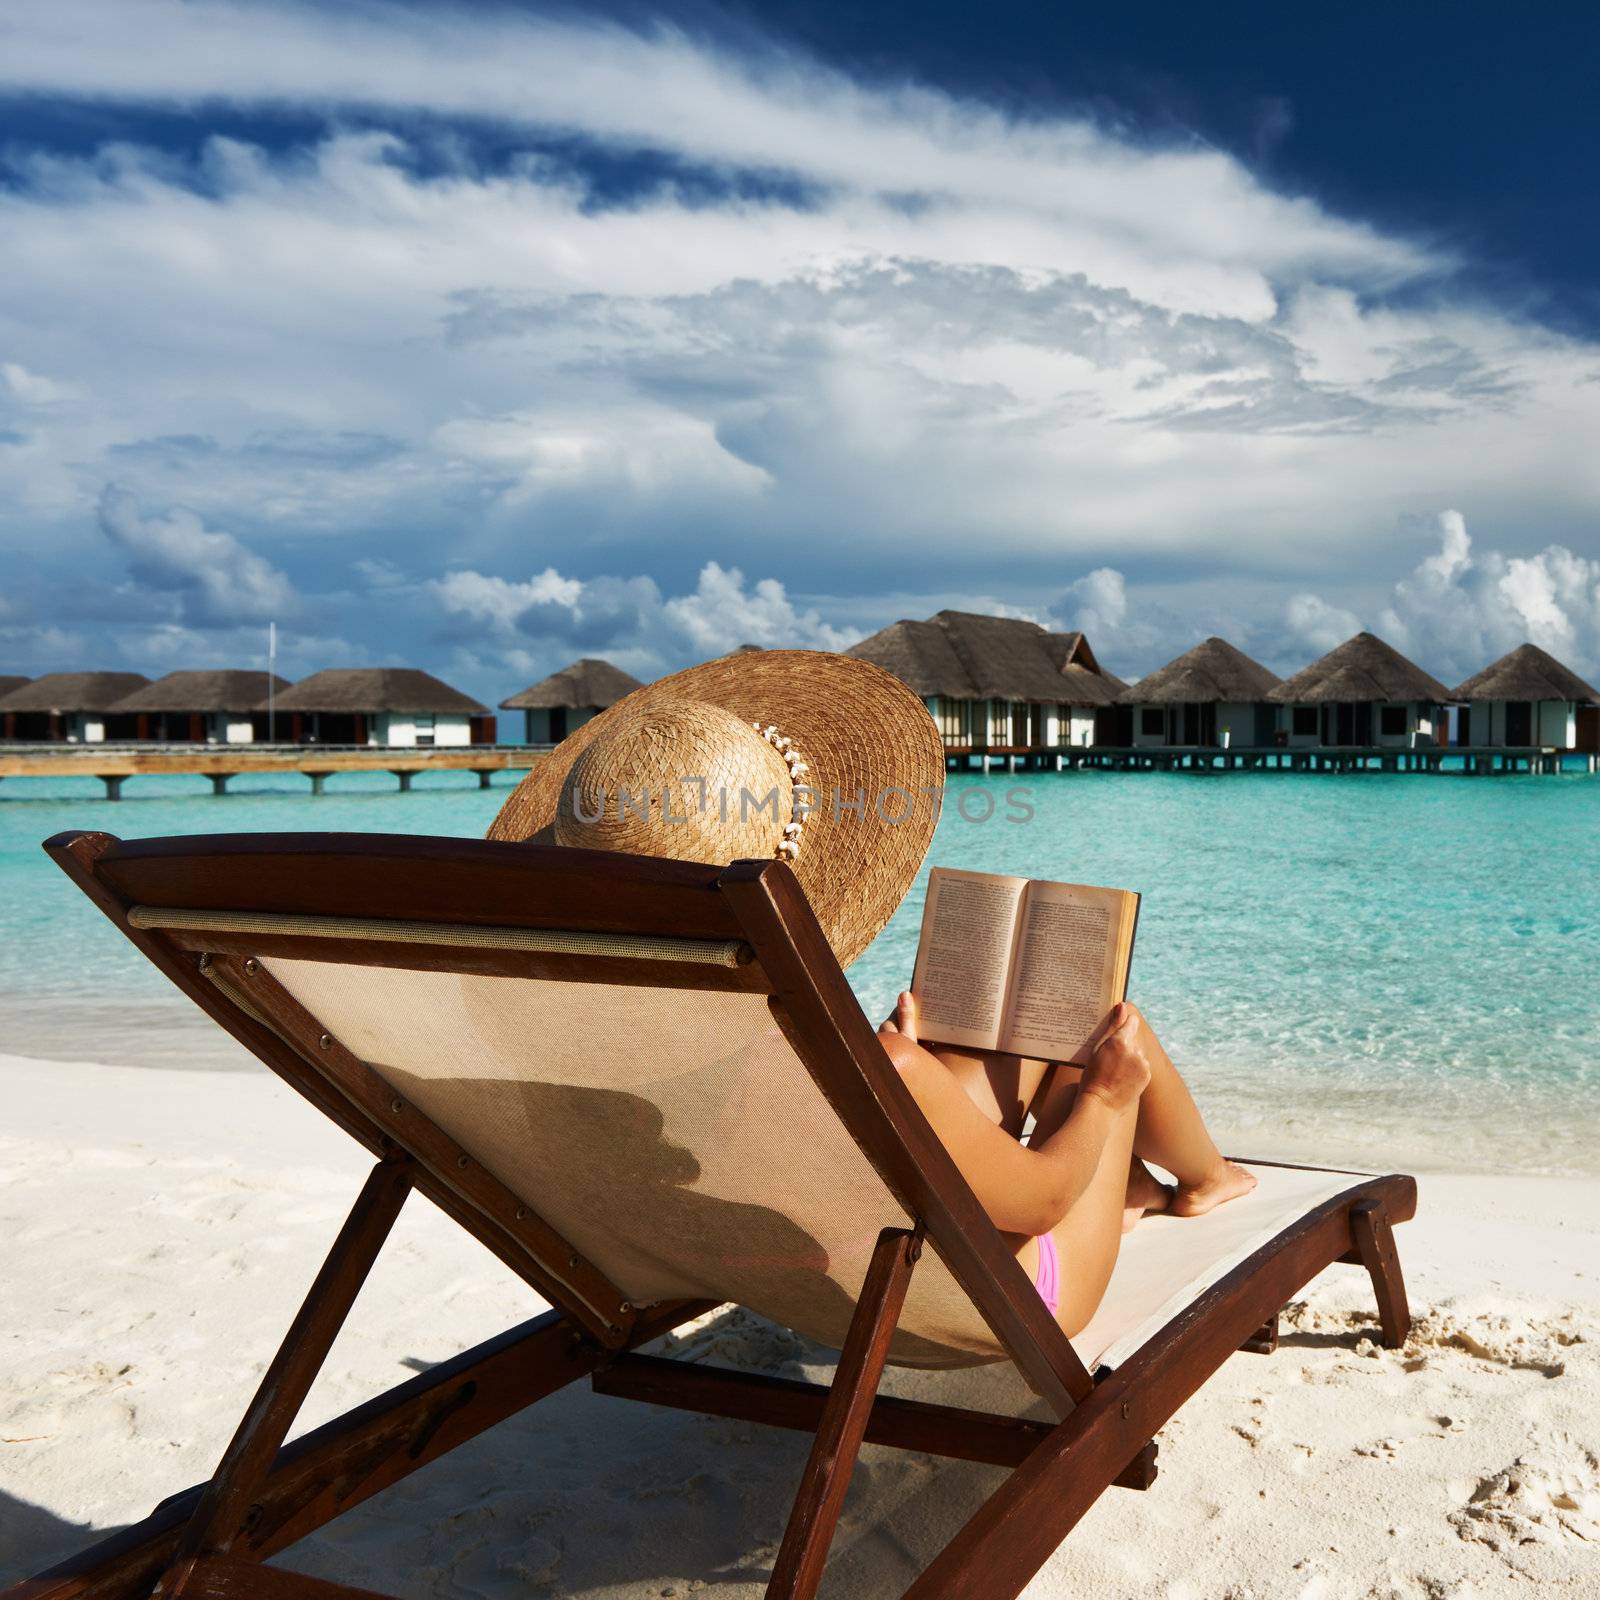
1021 965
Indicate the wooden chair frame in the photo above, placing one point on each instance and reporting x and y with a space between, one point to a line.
210 1542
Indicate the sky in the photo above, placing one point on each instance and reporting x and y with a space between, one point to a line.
482 337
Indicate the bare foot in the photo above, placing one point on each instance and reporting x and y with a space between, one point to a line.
1228 1182
1145 1194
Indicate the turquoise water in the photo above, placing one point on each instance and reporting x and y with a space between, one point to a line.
1389 970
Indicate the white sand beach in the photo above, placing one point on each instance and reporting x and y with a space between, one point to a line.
160 1227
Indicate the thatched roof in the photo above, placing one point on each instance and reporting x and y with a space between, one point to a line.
10 681
373 689
1526 673
585 683
73 691
1362 668
203 691
964 656
1213 672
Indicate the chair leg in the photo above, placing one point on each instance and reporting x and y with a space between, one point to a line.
220 1516
1375 1249
815 1513
1264 1341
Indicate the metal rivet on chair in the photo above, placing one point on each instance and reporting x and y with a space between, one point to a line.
461 1161
326 1041
251 967
397 1105
572 1261
521 1213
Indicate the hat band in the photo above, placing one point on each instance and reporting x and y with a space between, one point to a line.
794 828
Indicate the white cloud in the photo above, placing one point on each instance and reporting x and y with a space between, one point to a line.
215 580
547 619
981 353
1317 625
501 601
721 614
1096 603
33 388
1190 207
643 451
1459 610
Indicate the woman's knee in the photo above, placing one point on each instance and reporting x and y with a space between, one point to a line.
901 1050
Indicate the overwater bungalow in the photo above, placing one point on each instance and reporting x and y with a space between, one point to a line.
1362 694
1525 698
396 707
217 707
8 682
69 707
556 706
1209 697
998 685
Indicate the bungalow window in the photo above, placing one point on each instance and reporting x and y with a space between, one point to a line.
1392 721
1304 722
424 726
1153 722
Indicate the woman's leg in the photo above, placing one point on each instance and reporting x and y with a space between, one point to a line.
1170 1132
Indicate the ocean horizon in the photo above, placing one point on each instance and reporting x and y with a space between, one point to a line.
1380 970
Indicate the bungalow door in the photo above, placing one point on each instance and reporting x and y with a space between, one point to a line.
1519 722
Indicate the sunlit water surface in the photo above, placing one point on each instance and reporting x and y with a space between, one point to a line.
1389 970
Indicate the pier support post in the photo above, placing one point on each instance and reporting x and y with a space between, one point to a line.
113 786
484 775
317 779
405 782
219 782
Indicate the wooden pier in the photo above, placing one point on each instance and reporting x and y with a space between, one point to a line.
1449 760
113 764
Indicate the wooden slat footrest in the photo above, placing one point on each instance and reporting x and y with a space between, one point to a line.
937 1430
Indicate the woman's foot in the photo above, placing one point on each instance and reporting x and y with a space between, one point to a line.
1227 1182
1145 1194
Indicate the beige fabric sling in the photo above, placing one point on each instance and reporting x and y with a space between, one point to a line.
677 1140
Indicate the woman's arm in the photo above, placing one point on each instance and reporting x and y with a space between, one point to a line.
1025 1190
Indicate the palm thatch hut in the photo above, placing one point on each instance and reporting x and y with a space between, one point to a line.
216 707
9 681
392 706
556 706
1208 696
1363 694
1525 698
997 685
70 707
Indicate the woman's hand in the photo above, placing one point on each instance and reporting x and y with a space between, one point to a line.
1117 1072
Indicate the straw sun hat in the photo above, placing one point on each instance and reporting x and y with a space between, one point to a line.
821 760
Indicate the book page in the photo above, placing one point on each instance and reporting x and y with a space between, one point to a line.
1067 973
968 928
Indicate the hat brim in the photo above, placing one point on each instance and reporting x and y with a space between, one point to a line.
875 759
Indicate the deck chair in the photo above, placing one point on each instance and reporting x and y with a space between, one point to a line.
472 1013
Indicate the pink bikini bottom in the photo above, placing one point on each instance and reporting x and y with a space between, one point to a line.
1047 1279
